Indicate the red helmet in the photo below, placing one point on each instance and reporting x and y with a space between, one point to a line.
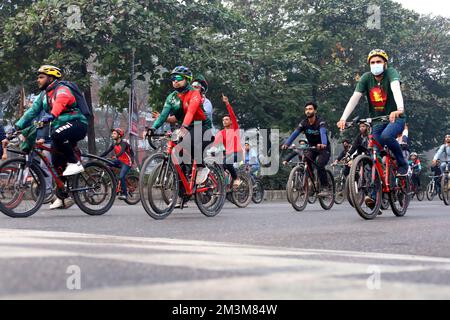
119 131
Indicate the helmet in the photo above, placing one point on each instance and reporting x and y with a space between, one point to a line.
50 71
413 154
377 52
183 71
119 131
201 81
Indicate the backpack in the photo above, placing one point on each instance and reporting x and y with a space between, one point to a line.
79 96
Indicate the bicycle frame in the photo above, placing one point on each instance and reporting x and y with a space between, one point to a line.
383 170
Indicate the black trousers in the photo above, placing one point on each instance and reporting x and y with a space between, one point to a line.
64 139
322 156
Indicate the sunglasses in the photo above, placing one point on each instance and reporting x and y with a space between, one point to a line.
177 78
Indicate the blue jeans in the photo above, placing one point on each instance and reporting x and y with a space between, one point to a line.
123 173
386 134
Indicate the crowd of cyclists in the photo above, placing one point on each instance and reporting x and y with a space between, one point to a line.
376 162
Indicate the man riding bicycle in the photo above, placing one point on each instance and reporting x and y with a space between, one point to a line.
344 153
68 124
124 157
443 150
251 158
382 88
229 138
316 133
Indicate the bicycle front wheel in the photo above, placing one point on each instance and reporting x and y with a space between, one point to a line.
258 192
94 189
18 199
297 188
430 192
365 187
326 202
340 190
211 202
242 195
445 189
132 181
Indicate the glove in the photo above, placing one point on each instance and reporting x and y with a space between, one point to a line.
47 118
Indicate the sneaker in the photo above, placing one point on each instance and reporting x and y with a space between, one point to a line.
178 204
202 175
73 168
369 202
60 204
122 197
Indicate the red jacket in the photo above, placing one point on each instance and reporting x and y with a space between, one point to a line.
230 138
192 107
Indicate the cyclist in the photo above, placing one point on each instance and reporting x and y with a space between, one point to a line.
68 123
124 157
443 150
229 138
344 153
316 133
382 88
416 168
200 84
185 104
294 154
251 158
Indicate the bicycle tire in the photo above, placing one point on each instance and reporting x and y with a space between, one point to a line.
298 178
323 204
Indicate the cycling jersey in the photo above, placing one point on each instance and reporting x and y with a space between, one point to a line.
315 133
60 103
123 152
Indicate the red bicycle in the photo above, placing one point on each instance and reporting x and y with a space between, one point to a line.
373 175
163 180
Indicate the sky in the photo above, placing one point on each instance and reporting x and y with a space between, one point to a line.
436 7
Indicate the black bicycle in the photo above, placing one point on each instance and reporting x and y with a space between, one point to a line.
303 177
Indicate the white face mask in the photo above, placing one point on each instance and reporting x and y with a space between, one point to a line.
377 69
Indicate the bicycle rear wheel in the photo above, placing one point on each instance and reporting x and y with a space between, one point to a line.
16 193
132 189
258 192
94 190
362 185
211 202
242 195
297 188
420 195
399 197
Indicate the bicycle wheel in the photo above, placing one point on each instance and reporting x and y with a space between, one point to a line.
258 192
242 195
430 192
327 202
340 190
94 190
420 195
362 185
347 193
147 168
162 186
298 188
445 189
399 197
16 193
211 202
132 181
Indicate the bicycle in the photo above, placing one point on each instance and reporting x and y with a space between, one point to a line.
92 190
163 179
445 183
302 177
371 176
416 191
432 188
340 181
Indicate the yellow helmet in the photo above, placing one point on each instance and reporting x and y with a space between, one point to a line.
377 52
50 71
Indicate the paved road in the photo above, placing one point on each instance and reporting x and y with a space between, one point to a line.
266 251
